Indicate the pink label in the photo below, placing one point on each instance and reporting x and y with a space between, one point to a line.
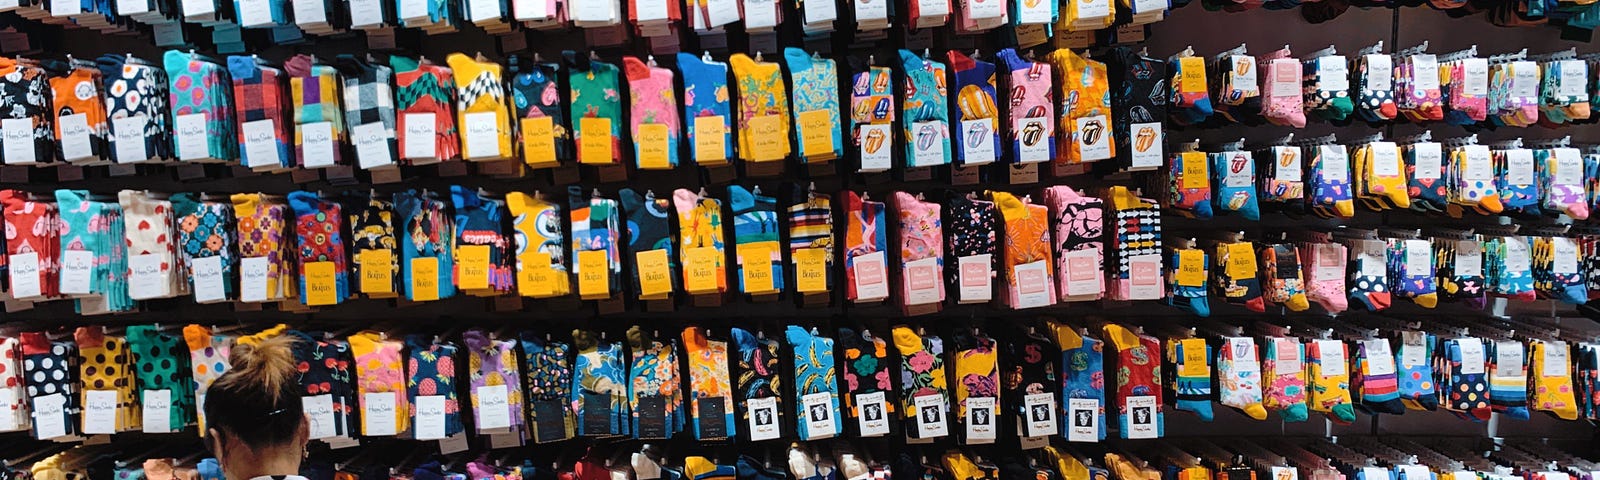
973 274
869 273
1286 75
1080 268
922 277
1288 351
1326 260
1030 280
1144 273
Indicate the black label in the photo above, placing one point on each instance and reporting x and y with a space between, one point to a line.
713 418
550 421
1287 266
596 414
652 414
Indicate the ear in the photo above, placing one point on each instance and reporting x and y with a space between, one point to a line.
303 432
214 441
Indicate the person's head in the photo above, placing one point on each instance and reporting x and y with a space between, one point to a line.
254 421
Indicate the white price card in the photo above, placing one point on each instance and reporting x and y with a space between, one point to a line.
980 421
261 144
208 280
1141 417
930 416
189 132
77 271
253 279
421 141
156 408
430 422
872 279
319 409
873 415
378 414
763 418
494 410
821 421
24 271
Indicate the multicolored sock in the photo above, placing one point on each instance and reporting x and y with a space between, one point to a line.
755 238
1238 277
813 376
700 228
1556 270
976 363
1517 182
866 237
1190 379
1138 394
815 95
757 373
710 390
1368 274
1032 111
161 363
652 112
1561 172
1083 369
1375 378
1284 285
1417 376
1135 247
424 231
596 228
1551 378
865 372
1186 281
1508 379
1234 174
1329 370
1079 222
318 228
430 371
540 235
1411 272
1508 264
480 224
1189 192
1027 252
1325 271
654 394
1329 175
1239 374
922 374
1464 374
924 111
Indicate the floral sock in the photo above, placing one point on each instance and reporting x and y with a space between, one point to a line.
1508 379
1368 270
1138 390
922 373
318 228
971 237
1234 173
1239 374
1464 374
1191 377
1329 370
1284 285
866 372
1325 271
1239 278
1416 360
1374 380
652 111
1186 281
203 232
1417 89
1551 378
1190 189
1027 252
261 222
599 386
921 242
654 377
1083 369
977 375
699 228
710 390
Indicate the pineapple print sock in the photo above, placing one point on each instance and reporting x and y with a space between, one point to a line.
1375 378
1551 379
1234 173
700 231
1508 379
1138 389
1191 377
493 363
1239 377
1082 369
1186 285
431 372
1416 361
1329 370
1284 284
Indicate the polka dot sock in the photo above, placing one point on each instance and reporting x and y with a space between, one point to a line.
1416 360
208 354
48 369
1368 268
1325 273
104 365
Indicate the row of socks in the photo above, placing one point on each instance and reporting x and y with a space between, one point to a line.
811 243
1380 179
317 114
483 265
1368 274
205 246
431 379
866 243
266 141
972 247
319 241
482 118
755 238
1411 271
1082 379
653 117
1508 378
1282 282
1138 389
369 110
1078 246
1375 97
1416 371
136 102
545 139
1234 173
1564 92
1282 102
1239 374
1425 184
763 106
1374 379
1514 92
1190 98
1085 129
1562 173
655 397
200 101
1508 267
1186 281
1027 254
1418 92
426 234
374 245
596 244
1282 179
1550 378
1189 380
1471 177
975 395
82 129
1327 86
1458 269
707 109
30 119
816 105
1556 270
1328 373
872 112
1516 180
701 241
710 389
1324 267
594 107
1238 90
1237 278
921 245
1467 95
1138 109
977 113
1031 108
1462 371
148 224
649 244
161 369
925 111
1135 247
1189 189
1328 182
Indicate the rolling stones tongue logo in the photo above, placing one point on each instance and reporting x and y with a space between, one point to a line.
874 141
1145 139
925 137
861 83
1242 66
1286 157
1032 133
1092 132
1017 92
1237 164
977 134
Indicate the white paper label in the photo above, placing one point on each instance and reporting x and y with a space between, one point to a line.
1085 414
1385 159
309 12
1147 143
1243 350
75 137
156 408
369 13
50 416
129 133
1569 166
77 268
1330 356
1566 255
1285 79
882 158
1475 72
1285 473
1424 72
1519 167
1145 276
1555 359
316 145
1429 160
1574 78
1413 355
146 281
722 12
372 145
816 12
1244 75
1287 164
1419 258
1375 473
1041 411
208 281
191 135
1472 356
132 7
99 412
1092 10
927 147
873 419
1141 417
1083 272
1148 6
760 14
871 10
930 416
872 281
820 419
976 277
1371 256
1030 13
1469 259
1287 356
430 417
1380 72
1516 260
194 8
24 270
934 8
494 410
421 140
1093 137
1335 163
19 146
1038 130
1524 79
977 138
253 279
1508 358
261 144
1380 360
652 10
763 421
481 135
64 8
1241 171
319 409
1329 263
378 413
418 9
1333 74
980 420
1476 164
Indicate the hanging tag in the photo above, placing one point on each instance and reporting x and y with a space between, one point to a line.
763 418
873 420
1475 80
494 411
1331 358
1041 408
319 409
872 282
322 284
1508 359
1473 358
710 142
1145 276
1566 255
1429 161
538 141
1469 259
654 147
50 416
755 268
1516 260
1555 360
927 143
1032 284
1380 360
1519 166
655 276
473 264
378 414
260 144
1419 258
811 270
372 145
1285 78
99 412
207 280
1193 362
1093 137
977 139
1191 268
1335 163
594 268
317 145
1243 350
1285 473
253 279
700 265
980 420
156 411
1569 167
1085 414
922 279
376 276
1333 73
130 146
480 132
77 270
430 417
876 153
191 136
25 277
145 280
1141 417
820 421
74 137
1413 350
976 278
1033 139
1288 356
930 416
1148 142
19 148
767 138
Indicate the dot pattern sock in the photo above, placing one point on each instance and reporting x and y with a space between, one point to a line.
104 364
423 87
811 226
705 99
813 375
203 232
260 222
1417 88
424 232
1368 274
148 230
1238 277
51 373
1327 87
1416 359
1190 379
493 362
1027 242
1374 378
325 369
208 355
379 371
1330 182
651 102
314 98
757 370
430 371
318 229
816 88
700 226
709 384
480 222
1031 108
540 229
755 237
1281 101
1138 367
921 245
161 362
1327 365
1082 368
1189 192
1137 236
1473 184
1561 172
925 111
1508 379
1239 376
1376 72
98 227
649 228
1324 270
1425 184
654 375
371 223
976 101
921 372
865 372
866 232
970 232
1234 174
1186 285
1411 271
1079 231
761 93
1463 373
480 89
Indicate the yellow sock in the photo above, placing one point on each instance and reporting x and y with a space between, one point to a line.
534 219
1552 381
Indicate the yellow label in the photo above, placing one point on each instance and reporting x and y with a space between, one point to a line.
539 141
654 149
1191 268
376 276
811 270
473 261
1194 358
756 261
594 140
768 141
594 268
710 144
1194 170
1194 74
655 276
816 133
1241 260
700 269
536 279
424 279
322 288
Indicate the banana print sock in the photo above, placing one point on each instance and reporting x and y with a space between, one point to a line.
1284 284
1375 378
814 374
757 369
1191 359
539 230
1551 378
1186 281
1329 370
700 231
1508 379
1239 377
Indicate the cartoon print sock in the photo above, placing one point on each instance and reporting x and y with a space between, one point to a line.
598 370
816 89
1508 379
705 99
1411 270
1551 378
1282 179
1083 368
975 102
1466 377
1234 173
1330 182
1284 285
1191 377
1368 274
654 104
1375 378
925 112
1416 361
596 227
761 95
709 384
424 231
1190 189
1189 90
539 228
1079 223
1325 271
1328 368
1239 376
649 228
1186 281
1239 278
1138 379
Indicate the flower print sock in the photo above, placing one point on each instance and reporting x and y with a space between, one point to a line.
1411 271
203 233
654 394
652 109
1464 376
757 373
921 245
595 228
1375 378
705 99
379 371
149 233
710 391
160 363
1551 379
866 240
1561 171
1328 368
1368 274
1079 228
260 219
318 227
1239 279
52 361
649 229
813 375
925 112
970 239
481 98
700 231
1283 285
431 372
1138 394
479 224
1416 361
1191 375
1508 379
541 243
1027 252
866 376
755 238
1330 182
1082 369
1325 271
1239 376
1458 267
1234 173
977 376
816 102
1189 192
1186 281
1284 371
922 374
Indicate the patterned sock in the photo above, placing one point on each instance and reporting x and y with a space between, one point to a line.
208 354
1328 368
1085 124
977 375
379 371
161 363
1411 271
699 227
372 221
1561 171
921 245
1516 181
314 96
318 228
1239 277
595 228
866 233
1079 225
1377 87
816 89
1329 187
1508 379
813 375
709 386
865 372
1465 376
1368 274
1551 377
1281 102
755 238
488 365
924 111
1375 379
1328 92
1032 111
1239 374
480 224
480 90
1189 96
1138 363
1472 167
1380 176
757 368
1417 375
261 224
1186 281
1190 189
424 232
921 372
653 376
649 229
1556 272
1508 264
970 233
328 373
431 372
49 366
425 88
1137 238
1234 174
1191 377
975 102
647 111
540 229
1027 248
1034 375
1325 270
203 232
104 365
761 95
1283 179
36 231
1284 284
369 99
705 99
1083 369
811 227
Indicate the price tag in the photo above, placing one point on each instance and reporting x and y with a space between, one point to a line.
319 409
156 410
653 146
1141 417
1419 258
820 421
424 279
19 146
378 413
976 278
655 275
1370 254
1424 72
1516 260
317 145
1287 358
1033 139
763 418
817 135
99 412
376 274
1031 13
768 140
372 146
1032 284
1524 79
146 280
260 144
1241 170
811 269
1413 350
1145 273
1519 166
1148 139
1469 259
1574 78
473 264
129 138
190 130
870 10
1244 75
481 132
538 140
1429 160
1286 164
1335 163
1193 362
50 416
872 414
1243 354
1568 167
871 279
1566 255
755 268
253 279
594 268
760 14
1330 357
1508 358
977 139
1475 81
494 410
722 12
536 278
1380 72
74 137
1196 171
1333 74
77 268
700 269
1329 265
1476 165
322 287
25 276
1085 414
980 421
208 281
710 140
430 417
1380 360
1191 268
1472 356
1285 78
1555 359
1041 409
930 416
